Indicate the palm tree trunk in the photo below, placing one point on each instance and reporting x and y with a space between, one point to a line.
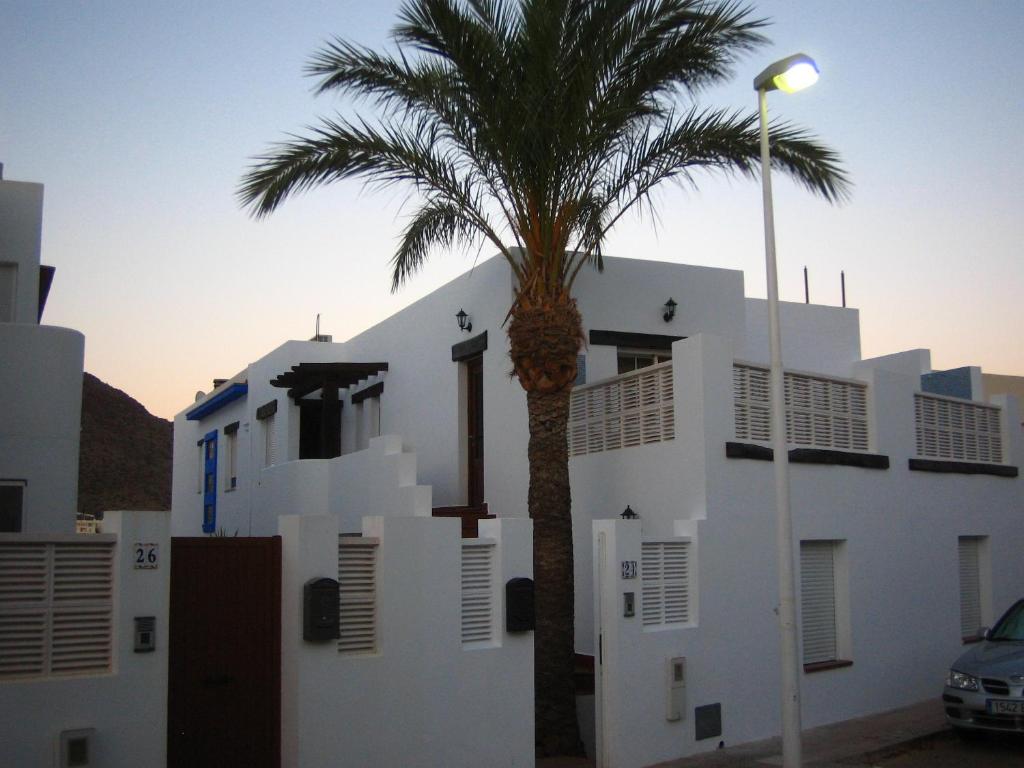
557 730
545 335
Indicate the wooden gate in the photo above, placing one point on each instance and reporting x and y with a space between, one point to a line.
224 686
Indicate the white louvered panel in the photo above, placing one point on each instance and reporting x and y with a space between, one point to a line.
631 432
477 592
820 412
595 437
357 596
665 583
23 573
22 643
631 409
80 640
83 571
650 573
818 600
613 433
959 430
970 586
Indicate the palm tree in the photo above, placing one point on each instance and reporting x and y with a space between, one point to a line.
535 125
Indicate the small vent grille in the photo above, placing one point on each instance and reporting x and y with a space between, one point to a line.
959 430
357 595
665 582
821 412
632 409
477 591
56 608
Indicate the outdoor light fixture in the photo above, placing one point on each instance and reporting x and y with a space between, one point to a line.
790 74
629 514
670 310
465 323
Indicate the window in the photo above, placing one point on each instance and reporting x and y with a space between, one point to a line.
12 500
357 595
972 554
665 580
8 295
56 607
231 465
201 466
823 604
477 591
269 441
634 359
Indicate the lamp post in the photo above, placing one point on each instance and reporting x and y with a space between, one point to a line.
790 74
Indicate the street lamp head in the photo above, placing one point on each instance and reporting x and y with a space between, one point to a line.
791 74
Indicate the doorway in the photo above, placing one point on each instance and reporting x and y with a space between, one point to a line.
475 430
224 667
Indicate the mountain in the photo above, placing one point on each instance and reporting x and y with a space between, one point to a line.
125 453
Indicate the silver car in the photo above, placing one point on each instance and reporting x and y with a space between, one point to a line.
985 687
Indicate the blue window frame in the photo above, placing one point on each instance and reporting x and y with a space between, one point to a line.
210 482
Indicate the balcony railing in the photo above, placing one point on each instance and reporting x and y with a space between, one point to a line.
958 430
821 411
631 409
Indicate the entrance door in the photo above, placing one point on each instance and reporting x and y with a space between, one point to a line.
210 482
224 671
475 426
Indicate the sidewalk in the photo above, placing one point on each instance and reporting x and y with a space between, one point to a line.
848 743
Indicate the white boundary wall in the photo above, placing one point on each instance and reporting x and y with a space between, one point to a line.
897 579
423 699
127 707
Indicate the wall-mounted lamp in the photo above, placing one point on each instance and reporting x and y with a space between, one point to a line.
465 323
629 514
670 310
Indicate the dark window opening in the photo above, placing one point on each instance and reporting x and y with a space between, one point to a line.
12 496
320 428
635 359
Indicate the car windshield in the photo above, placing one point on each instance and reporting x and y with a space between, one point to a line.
1011 626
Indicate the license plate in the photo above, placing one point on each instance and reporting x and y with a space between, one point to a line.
1003 707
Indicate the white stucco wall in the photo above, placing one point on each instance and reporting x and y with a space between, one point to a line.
814 337
21 226
128 707
899 530
422 699
40 422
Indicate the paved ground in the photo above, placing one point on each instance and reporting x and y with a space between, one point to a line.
905 734
946 750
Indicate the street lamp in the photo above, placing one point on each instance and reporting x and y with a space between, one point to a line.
790 74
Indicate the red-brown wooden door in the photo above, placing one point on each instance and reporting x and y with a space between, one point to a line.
224 686
475 425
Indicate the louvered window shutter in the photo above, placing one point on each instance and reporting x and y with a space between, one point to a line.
477 591
56 608
665 582
970 586
818 600
357 595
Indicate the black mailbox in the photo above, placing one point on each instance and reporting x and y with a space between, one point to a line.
519 616
320 610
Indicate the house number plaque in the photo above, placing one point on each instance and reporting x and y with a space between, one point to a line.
629 569
146 555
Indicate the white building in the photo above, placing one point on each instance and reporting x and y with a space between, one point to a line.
40 379
905 503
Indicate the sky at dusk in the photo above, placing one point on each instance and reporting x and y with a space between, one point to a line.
141 117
